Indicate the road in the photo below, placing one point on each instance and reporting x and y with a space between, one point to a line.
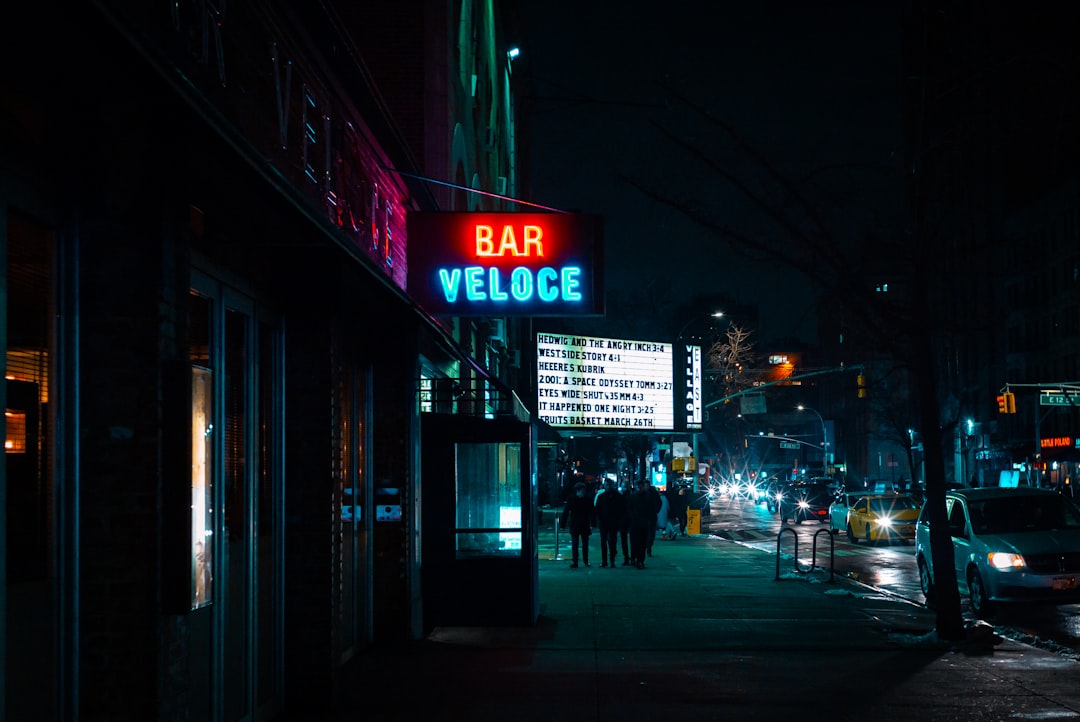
889 568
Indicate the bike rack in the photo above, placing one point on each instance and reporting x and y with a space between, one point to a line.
813 552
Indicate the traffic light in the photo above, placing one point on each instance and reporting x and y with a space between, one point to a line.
1006 403
861 381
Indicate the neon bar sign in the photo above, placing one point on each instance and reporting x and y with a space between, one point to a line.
540 264
481 283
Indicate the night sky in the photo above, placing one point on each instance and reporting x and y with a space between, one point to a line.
815 87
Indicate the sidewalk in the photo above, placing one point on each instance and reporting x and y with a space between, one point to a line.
707 631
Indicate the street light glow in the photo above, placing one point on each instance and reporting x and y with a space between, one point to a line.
824 436
714 314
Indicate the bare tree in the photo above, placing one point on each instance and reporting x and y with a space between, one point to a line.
732 357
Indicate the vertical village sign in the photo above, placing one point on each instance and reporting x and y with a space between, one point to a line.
506 264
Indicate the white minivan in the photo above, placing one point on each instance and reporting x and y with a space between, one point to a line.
1009 545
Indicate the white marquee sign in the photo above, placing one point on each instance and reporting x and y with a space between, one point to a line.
605 383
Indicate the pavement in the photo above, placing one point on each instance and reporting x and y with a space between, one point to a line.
711 629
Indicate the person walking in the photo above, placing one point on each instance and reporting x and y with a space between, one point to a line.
664 523
610 510
642 522
577 518
679 502
655 502
624 523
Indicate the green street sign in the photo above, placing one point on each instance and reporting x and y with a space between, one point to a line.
1059 398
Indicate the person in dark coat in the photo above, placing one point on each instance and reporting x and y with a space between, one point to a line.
610 513
679 502
642 521
656 502
577 518
624 524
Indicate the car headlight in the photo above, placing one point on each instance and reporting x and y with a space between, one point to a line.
803 504
1005 560
884 521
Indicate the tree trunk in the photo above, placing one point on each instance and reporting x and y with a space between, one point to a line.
949 619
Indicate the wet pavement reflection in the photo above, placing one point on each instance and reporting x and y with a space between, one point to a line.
886 567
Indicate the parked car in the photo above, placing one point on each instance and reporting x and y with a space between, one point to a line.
1011 544
804 501
838 510
883 517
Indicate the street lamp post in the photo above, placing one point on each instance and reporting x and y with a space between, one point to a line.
824 436
916 470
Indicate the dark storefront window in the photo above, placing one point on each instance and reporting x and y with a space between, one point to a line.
32 533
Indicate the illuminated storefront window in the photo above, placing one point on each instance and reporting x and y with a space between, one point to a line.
202 428
488 500
426 406
15 440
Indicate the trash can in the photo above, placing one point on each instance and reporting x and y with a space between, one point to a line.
693 521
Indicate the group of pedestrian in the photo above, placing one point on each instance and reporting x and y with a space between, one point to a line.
627 520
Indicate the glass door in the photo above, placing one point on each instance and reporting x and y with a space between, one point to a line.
236 574
354 494
236 499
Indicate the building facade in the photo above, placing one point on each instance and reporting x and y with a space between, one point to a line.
992 149
215 374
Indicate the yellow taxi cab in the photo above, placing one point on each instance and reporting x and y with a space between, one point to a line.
883 517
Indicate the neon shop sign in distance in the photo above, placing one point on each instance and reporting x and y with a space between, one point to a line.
506 264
